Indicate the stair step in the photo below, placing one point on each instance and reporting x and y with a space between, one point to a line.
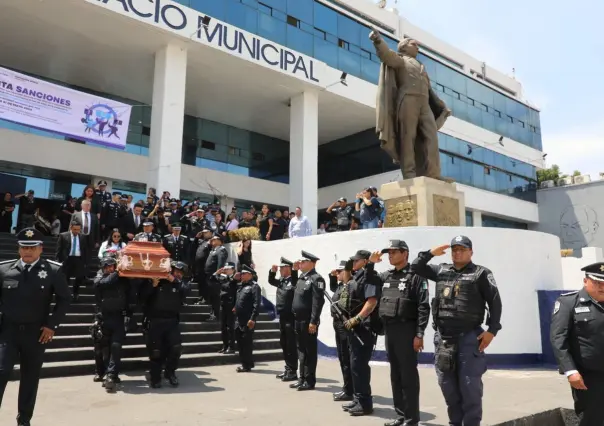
89 308
89 290
77 318
80 368
81 329
89 298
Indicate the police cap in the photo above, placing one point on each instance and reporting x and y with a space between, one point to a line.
286 262
102 183
108 261
147 222
595 271
396 245
361 255
216 237
245 269
114 193
345 265
179 265
176 226
206 229
124 196
29 237
229 265
461 240
308 256
173 201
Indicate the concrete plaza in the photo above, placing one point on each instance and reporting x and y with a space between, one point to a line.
220 396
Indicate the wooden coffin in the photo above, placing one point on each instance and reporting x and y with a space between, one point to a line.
144 260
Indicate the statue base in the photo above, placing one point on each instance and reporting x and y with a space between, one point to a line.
423 201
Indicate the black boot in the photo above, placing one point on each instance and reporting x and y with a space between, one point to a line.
109 384
172 379
296 385
290 376
98 378
280 376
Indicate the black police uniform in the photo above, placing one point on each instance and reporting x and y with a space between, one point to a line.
458 313
343 216
307 306
26 292
103 196
113 306
177 247
149 237
285 296
366 284
216 260
228 294
161 308
111 216
578 343
340 297
405 312
247 308
200 256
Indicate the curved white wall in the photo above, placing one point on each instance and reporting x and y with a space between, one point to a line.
522 262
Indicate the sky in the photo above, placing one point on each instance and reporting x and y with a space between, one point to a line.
557 50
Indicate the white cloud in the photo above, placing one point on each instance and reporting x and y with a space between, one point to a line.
576 149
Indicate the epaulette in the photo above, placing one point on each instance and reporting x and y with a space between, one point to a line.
167 235
570 293
3 262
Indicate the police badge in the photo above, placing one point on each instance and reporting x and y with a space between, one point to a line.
556 307
446 292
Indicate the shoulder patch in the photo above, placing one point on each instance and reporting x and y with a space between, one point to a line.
556 307
424 285
54 262
570 293
491 279
4 262
321 283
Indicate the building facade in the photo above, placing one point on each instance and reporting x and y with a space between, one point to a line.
244 100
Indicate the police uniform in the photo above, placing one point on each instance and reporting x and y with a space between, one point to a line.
176 245
111 215
340 297
200 258
458 313
578 342
113 302
365 285
148 236
285 296
343 216
216 260
247 308
26 292
103 196
161 307
405 311
307 306
228 294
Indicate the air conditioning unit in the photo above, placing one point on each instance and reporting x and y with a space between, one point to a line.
565 181
548 184
582 179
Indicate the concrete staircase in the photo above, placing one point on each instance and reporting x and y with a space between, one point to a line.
70 353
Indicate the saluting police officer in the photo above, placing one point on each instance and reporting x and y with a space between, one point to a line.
216 260
286 284
113 308
405 312
112 214
163 300
27 286
148 234
578 342
176 244
462 291
363 295
228 292
247 309
307 306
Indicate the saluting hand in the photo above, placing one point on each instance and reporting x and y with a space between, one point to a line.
576 381
274 268
376 257
46 335
440 250
312 328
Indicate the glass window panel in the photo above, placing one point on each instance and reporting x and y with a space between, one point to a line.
301 9
325 18
216 9
252 3
242 16
210 164
239 138
272 29
460 109
490 181
349 62
307 28
475 115
488 121
469 218
279 16
145 140
326 52
349 30
370 70
354 49
300 41
478 176
467 172
275 4
214 132
365 42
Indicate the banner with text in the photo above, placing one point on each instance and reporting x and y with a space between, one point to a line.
37 103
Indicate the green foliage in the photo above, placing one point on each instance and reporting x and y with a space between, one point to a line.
553 173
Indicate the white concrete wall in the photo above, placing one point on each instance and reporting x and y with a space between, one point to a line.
572 276
522 262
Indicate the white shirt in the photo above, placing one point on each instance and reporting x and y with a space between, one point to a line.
77 246
299 227
23 264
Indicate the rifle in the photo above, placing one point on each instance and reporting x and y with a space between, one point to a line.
342 316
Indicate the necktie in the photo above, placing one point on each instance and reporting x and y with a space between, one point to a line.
73 246
26 272
137 222
86 223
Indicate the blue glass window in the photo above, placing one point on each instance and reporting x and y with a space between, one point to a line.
275 4
242 16
300 41
349 62
326 52
272 29
326 19
301 9
216 9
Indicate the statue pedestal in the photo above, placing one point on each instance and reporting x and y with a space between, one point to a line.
423 201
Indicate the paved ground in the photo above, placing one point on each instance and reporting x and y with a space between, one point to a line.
219 396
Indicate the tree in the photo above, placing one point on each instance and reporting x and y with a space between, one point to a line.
576 173
553 173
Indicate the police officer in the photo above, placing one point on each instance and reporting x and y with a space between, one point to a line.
176 244
285 295
147 234
228 293
462 291
307 306
112 214
578 343
162 303
216 260
102 194
338 284
405 311
247 308
342 213
200 257
363 295
25 323
113 310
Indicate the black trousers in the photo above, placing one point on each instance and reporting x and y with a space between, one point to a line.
227 325
108 351
360 355
75 267
164 344
342 337
20 343
589 402
213 296
200 279
245 342
307 352
404 377
288 342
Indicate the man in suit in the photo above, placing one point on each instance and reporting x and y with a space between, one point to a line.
72 252
132 223
90 226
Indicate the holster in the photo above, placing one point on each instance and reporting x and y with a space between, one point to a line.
446 356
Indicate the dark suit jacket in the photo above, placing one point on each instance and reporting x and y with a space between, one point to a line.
94 232
64 247
128 226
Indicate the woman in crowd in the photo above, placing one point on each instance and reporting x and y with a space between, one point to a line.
113 244
244 254
88 194
264 222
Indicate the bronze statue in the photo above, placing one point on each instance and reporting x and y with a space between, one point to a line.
408 112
